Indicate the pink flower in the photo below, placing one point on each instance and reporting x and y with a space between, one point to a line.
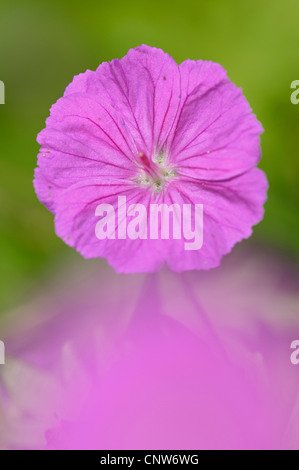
156 361
155 132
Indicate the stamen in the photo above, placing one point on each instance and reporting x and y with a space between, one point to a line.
153 171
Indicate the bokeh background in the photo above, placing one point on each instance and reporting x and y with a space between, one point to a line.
44 44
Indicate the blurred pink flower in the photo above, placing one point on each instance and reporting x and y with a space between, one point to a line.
145 128
157 361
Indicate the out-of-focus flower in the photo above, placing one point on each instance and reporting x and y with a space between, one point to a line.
158 362
155 132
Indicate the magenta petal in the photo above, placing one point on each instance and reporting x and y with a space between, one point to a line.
75 223
143 87
230 210
216 136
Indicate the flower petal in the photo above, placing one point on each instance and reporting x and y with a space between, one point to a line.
230 209
76 222
143 87
216 136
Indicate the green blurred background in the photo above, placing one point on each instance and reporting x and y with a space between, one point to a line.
44 44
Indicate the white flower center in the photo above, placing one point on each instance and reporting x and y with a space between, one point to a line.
154 172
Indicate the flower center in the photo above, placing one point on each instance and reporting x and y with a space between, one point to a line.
154 172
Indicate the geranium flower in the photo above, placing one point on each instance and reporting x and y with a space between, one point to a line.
155 132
